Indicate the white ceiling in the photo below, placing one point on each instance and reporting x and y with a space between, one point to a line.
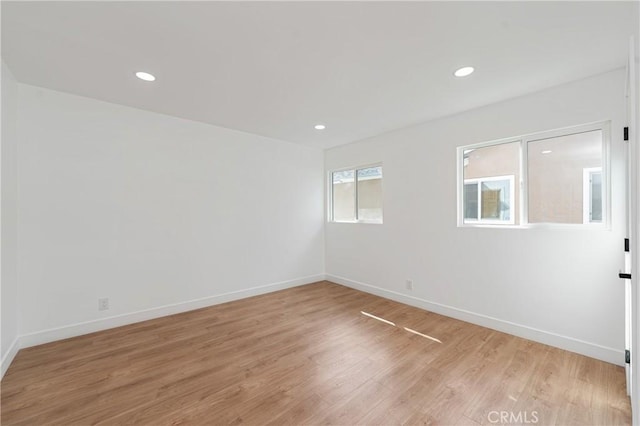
278 68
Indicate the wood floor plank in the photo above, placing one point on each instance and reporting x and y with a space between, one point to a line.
316 354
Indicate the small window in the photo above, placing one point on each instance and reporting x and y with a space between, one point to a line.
356 195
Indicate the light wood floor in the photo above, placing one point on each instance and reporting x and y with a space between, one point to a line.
308 355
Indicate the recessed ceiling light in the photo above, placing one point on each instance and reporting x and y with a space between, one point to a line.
145 76
463 72
546 151
319 127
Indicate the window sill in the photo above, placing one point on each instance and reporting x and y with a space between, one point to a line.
558 226
366 222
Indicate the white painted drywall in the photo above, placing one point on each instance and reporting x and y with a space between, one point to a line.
9 278
150 210
554 285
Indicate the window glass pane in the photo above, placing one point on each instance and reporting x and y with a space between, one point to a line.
556 176
344 207
370 194
484 165
496 200
471 200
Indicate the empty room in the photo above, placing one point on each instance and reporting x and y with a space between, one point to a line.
322 212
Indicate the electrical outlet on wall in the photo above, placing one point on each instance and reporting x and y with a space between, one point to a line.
409 284
103 304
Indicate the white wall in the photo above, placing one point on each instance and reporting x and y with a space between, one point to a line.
559 286
152 211
9 278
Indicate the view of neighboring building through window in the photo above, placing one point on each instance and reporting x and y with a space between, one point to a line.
344 196
592 196
565 178
559 177
359 199
489 200
490 190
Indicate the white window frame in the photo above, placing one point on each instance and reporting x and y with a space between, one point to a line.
523 140
512 194
355 194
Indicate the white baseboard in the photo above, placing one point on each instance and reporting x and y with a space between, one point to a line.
9 356
593 350
78 329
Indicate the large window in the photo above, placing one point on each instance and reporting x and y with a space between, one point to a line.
556 177
356 195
